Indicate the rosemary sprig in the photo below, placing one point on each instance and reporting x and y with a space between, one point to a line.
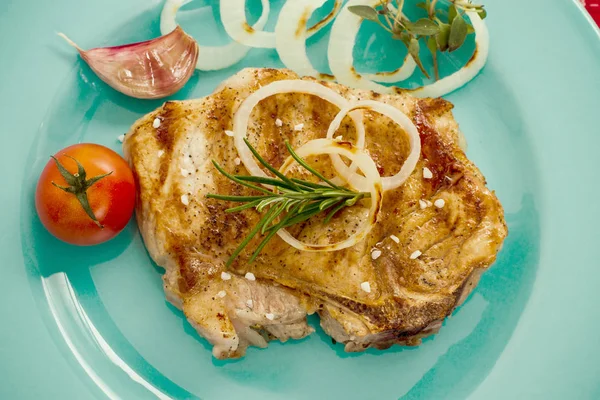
291 202
444 28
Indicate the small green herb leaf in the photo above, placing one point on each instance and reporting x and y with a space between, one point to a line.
404 37
413 50
452 13
470 29
423 6
482 13
365 12
443 36
432 45
458 33
424 27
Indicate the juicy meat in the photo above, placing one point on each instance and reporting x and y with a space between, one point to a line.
191 236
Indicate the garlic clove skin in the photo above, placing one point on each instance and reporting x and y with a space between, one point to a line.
146 70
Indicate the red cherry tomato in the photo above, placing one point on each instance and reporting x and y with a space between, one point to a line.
60 197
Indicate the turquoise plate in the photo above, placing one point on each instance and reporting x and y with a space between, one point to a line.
83 323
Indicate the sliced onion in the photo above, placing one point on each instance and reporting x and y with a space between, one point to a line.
233 16
337 6
341 61
212 58
242 115
398 75
291 34
373 179
466 73
390 182
341 44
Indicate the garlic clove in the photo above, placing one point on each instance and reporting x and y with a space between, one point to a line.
146 70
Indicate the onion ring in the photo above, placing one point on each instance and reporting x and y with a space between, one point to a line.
211 58
341 61
242 115
390 182
466 73
291 34
400 74
367 166
233 16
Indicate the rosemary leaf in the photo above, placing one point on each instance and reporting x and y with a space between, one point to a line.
292 200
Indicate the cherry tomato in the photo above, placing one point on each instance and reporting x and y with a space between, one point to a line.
91 200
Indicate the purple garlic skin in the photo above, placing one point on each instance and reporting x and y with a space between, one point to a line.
152 69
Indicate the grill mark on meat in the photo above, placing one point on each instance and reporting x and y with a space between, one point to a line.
164 132
408 299
165 137
441 162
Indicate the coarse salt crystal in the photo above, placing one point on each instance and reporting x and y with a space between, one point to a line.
427 174
225 276
249 303
250 276
339 138
121 138
222 294
156 123
423 204
415 254
185 172
375 254
185 200
366 286
395 238
298 127
229 133
237 161
439 203
278 122
270 316
160 153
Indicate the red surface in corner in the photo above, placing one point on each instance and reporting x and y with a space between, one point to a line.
593 7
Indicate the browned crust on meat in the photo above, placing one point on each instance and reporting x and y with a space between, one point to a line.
410 297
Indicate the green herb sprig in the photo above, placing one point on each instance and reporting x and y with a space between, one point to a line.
443 29
292 200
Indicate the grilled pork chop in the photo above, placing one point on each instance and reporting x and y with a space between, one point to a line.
249 304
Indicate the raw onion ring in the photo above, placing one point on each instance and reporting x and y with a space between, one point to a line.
291 34
211 58
341 61
233 16
242 115
390 182
366 165
466 73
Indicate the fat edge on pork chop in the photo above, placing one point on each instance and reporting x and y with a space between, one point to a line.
191 236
